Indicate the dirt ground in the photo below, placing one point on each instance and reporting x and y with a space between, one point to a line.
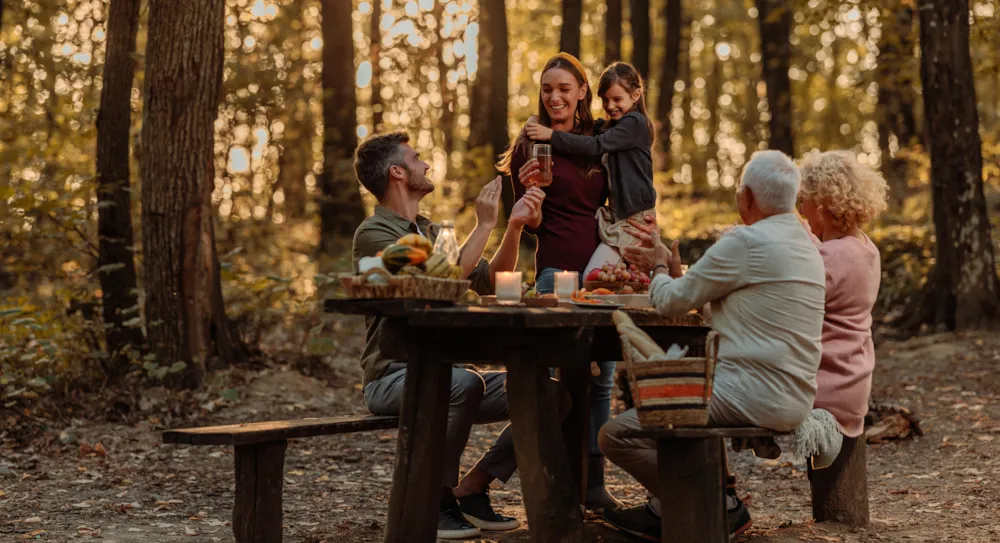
939 487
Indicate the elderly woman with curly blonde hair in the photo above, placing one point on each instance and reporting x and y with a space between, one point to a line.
838 196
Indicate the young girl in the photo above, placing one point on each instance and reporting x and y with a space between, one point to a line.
624 143
837 196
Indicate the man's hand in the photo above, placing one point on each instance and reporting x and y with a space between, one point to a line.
529 172
528 210
538 132
488 204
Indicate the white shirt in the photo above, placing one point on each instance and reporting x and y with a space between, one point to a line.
767 286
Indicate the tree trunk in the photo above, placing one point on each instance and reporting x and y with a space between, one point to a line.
775 17
671 67
641 35
896 99
295 160
479 101
751 110
965 278
613 32
114 196
499 92
183 87
447 98
340 208
375 53
713 92
572 17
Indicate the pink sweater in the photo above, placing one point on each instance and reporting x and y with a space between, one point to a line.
844 381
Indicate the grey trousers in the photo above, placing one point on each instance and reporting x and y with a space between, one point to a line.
638 456
476 397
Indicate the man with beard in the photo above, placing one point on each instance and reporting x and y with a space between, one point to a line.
393 172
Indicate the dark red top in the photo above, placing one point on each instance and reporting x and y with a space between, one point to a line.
568 235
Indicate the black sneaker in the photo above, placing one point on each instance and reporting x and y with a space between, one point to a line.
739 519
639 521
451 523
477 509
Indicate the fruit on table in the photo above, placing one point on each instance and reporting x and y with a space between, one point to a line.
438 266
417 241
618 273
369 262
410 269
396 256
456 272
470 298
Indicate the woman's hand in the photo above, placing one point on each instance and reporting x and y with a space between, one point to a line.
528 210
538 132
529 172
488 204
651 252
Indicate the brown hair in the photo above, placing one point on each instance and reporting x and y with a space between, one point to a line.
583 122
374 157
626 76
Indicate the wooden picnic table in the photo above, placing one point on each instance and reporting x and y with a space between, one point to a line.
552 458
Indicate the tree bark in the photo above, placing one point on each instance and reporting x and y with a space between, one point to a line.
713 92
965 280
114 196
641 35
671 69
569 36
375 53
447 98
499 93
186 322
295 160
340 208
896 99
775 17
613 32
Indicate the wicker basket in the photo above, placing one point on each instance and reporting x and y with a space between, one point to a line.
391 287
667 393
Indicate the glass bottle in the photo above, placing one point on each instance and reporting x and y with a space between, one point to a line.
446 243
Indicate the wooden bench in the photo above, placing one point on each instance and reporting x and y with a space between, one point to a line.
692 490
260 461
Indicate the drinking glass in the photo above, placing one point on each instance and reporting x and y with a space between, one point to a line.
543 153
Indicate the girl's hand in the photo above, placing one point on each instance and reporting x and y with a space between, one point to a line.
538 132
529 172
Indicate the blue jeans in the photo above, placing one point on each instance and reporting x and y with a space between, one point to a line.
600 385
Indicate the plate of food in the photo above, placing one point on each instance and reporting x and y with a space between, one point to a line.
590 301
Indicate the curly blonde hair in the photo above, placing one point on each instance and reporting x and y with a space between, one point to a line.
852 192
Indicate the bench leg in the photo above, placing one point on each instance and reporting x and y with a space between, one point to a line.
692 501
551 497
840 492
259 477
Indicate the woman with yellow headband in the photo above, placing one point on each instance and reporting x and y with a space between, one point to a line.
568 230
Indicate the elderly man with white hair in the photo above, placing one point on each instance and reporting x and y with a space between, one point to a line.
766 285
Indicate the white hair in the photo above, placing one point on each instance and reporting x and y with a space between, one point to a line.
774 180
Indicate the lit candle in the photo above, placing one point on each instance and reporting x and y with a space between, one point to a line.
566 283
508 287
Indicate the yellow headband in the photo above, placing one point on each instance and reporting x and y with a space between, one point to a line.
576 64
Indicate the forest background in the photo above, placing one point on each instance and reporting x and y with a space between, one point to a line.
129 173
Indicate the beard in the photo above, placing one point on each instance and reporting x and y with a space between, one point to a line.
418 182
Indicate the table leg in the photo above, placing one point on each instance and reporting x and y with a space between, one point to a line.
575 377
416 481
692 498
549 489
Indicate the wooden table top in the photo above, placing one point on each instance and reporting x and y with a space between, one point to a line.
442 314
